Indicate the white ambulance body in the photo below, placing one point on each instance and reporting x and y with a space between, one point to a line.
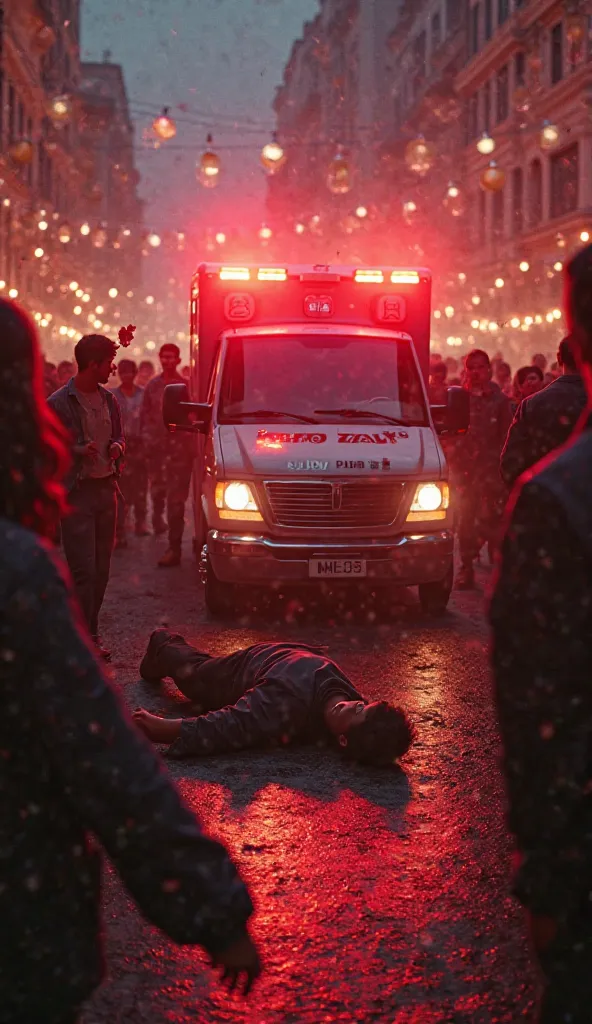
318 460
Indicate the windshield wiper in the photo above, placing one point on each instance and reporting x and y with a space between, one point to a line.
269 413
363 414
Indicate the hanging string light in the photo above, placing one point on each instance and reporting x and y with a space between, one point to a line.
338 174
154 240
485 144
453 200
164 126
272 155
60 110
65 233
209 166
409 211
549 136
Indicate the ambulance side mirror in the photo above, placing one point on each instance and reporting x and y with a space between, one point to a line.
179 413
453 418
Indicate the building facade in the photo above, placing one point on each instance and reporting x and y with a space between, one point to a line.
48 175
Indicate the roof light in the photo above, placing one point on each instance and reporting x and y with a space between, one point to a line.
404 277
369 276
235 274
272 274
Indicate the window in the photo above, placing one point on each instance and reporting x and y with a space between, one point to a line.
482 215
474 30
472 122
535 193
436 30
486 107
519 68
503 10
419 54
564 181
556 53
503 98
497 214
455 10
517 201
488 12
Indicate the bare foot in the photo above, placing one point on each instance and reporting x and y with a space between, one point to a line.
159 730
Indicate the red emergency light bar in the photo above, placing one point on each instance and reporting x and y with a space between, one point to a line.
362 275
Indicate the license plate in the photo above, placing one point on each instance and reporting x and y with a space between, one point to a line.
332 568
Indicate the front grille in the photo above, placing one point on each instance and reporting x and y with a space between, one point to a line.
323 504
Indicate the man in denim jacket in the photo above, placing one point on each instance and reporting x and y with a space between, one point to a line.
91 415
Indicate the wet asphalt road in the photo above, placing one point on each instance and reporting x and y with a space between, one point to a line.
381 896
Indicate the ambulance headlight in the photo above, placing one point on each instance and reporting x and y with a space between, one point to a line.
430 501
235 500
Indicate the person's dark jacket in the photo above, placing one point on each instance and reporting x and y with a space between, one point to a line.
279 690
154 433
542 423
475 455
541 616
71 766
66 406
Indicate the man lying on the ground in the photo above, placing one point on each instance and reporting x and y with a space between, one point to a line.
267 694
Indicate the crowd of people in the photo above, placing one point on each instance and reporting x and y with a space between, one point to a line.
513 424
74 765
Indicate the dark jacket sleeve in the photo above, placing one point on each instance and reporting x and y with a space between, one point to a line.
183 882
117 435
270 713
541 619
517 455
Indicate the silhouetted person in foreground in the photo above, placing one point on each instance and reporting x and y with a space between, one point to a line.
72 763
267 694
546 420
541 616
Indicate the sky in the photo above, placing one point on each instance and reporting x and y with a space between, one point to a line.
216 64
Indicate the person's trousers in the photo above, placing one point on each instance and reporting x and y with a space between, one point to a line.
88 535
171 480
567 998
209 683
133 483
480 511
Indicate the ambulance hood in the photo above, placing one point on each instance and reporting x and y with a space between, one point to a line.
335 449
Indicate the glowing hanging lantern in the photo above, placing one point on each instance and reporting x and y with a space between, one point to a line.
485 144
164 126
419 155
338 174
85 229
362 212
220 238
21 151
273 156
180 241
209 167
549 136
99 237
65 233
265 233
409 211
60 110
493 178
154 240
299 228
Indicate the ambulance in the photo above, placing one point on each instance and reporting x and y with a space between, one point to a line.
318 461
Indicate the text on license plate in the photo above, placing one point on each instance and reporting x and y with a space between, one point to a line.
333 567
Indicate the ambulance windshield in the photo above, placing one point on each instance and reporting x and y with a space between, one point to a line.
321 379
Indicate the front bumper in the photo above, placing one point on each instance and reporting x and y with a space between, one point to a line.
404 560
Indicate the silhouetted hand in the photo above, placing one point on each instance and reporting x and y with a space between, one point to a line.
242 958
